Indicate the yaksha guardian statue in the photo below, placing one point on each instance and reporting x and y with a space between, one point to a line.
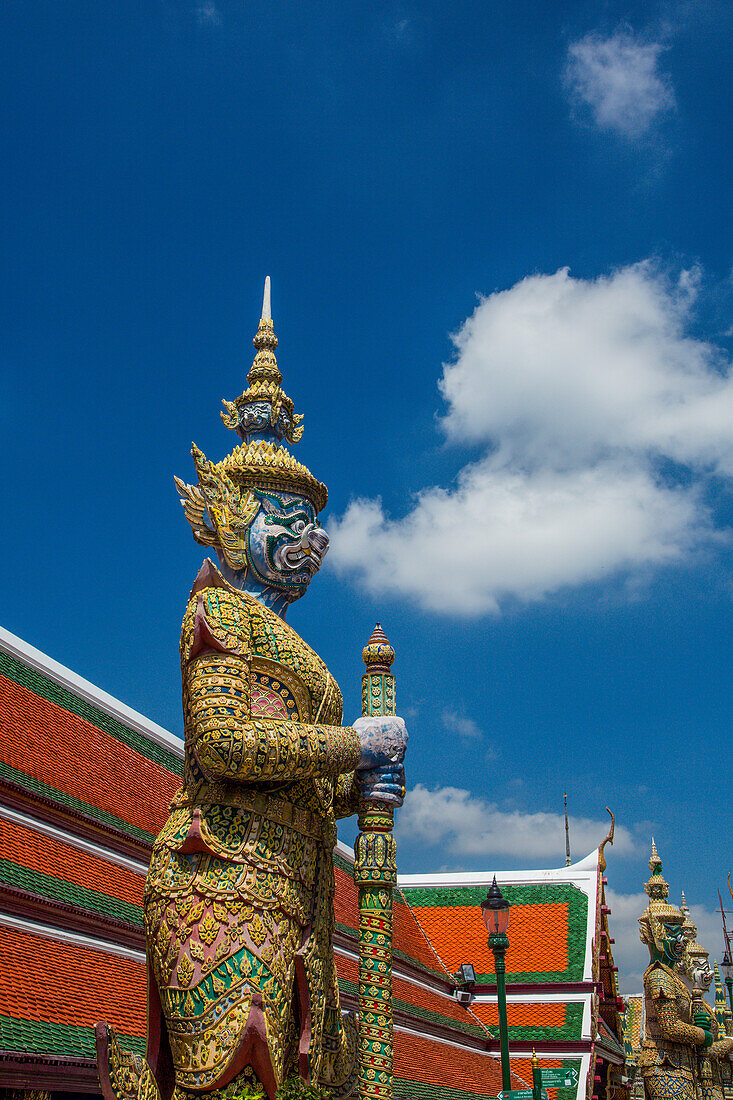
238 900
694 968
674 1033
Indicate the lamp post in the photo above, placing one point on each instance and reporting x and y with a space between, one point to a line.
495 911
727 967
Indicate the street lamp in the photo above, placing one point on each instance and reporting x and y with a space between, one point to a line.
495 911
465 979
727 967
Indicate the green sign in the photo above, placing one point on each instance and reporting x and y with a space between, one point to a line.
520 1094
558 1077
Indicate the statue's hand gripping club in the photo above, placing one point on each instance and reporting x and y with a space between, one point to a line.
381 772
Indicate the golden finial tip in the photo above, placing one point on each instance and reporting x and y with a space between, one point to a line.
378 654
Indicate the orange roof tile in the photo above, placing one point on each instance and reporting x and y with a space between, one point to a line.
537 937
427 1001
422 1059
43 979
521 1014
60 749
51 857
410 938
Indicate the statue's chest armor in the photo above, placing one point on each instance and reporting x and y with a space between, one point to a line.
289 680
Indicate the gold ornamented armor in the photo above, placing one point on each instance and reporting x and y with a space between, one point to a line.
239 896
668 1059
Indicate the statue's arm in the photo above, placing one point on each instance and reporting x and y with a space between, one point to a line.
675 1029
663 992
227 742
721 1047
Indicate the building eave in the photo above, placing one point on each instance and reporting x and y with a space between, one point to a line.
90 693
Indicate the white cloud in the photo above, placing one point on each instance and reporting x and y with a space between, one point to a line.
460 724
630 954
581 393
619 79
465 826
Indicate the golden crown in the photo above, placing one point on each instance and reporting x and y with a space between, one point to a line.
262 417
658 911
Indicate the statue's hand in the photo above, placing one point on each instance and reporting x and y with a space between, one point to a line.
385 784
383 741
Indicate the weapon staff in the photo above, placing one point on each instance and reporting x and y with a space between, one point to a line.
375 874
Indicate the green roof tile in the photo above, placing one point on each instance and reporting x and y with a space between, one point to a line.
44 1037
48 886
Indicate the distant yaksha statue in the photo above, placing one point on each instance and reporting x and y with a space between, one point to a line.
239 896
673 1035
694 968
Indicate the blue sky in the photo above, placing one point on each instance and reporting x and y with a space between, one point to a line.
499 239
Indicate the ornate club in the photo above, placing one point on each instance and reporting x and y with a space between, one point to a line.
375 874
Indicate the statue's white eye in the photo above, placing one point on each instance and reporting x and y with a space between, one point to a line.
299 526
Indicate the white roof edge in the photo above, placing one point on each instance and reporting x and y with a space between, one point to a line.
345 851
583 872
52 670
64 935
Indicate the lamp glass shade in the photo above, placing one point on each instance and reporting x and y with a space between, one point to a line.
726 966
467 974
496 920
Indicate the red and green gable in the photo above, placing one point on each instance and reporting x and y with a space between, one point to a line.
548 933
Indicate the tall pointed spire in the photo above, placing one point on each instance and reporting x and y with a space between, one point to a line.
689 925
266 307
567 831
264 411
721 1004
654 858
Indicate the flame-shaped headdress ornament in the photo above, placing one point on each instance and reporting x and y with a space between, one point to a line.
225 501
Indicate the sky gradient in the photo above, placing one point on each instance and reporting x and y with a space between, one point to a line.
500 244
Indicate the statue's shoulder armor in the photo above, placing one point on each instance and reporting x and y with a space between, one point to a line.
659 981
225 611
